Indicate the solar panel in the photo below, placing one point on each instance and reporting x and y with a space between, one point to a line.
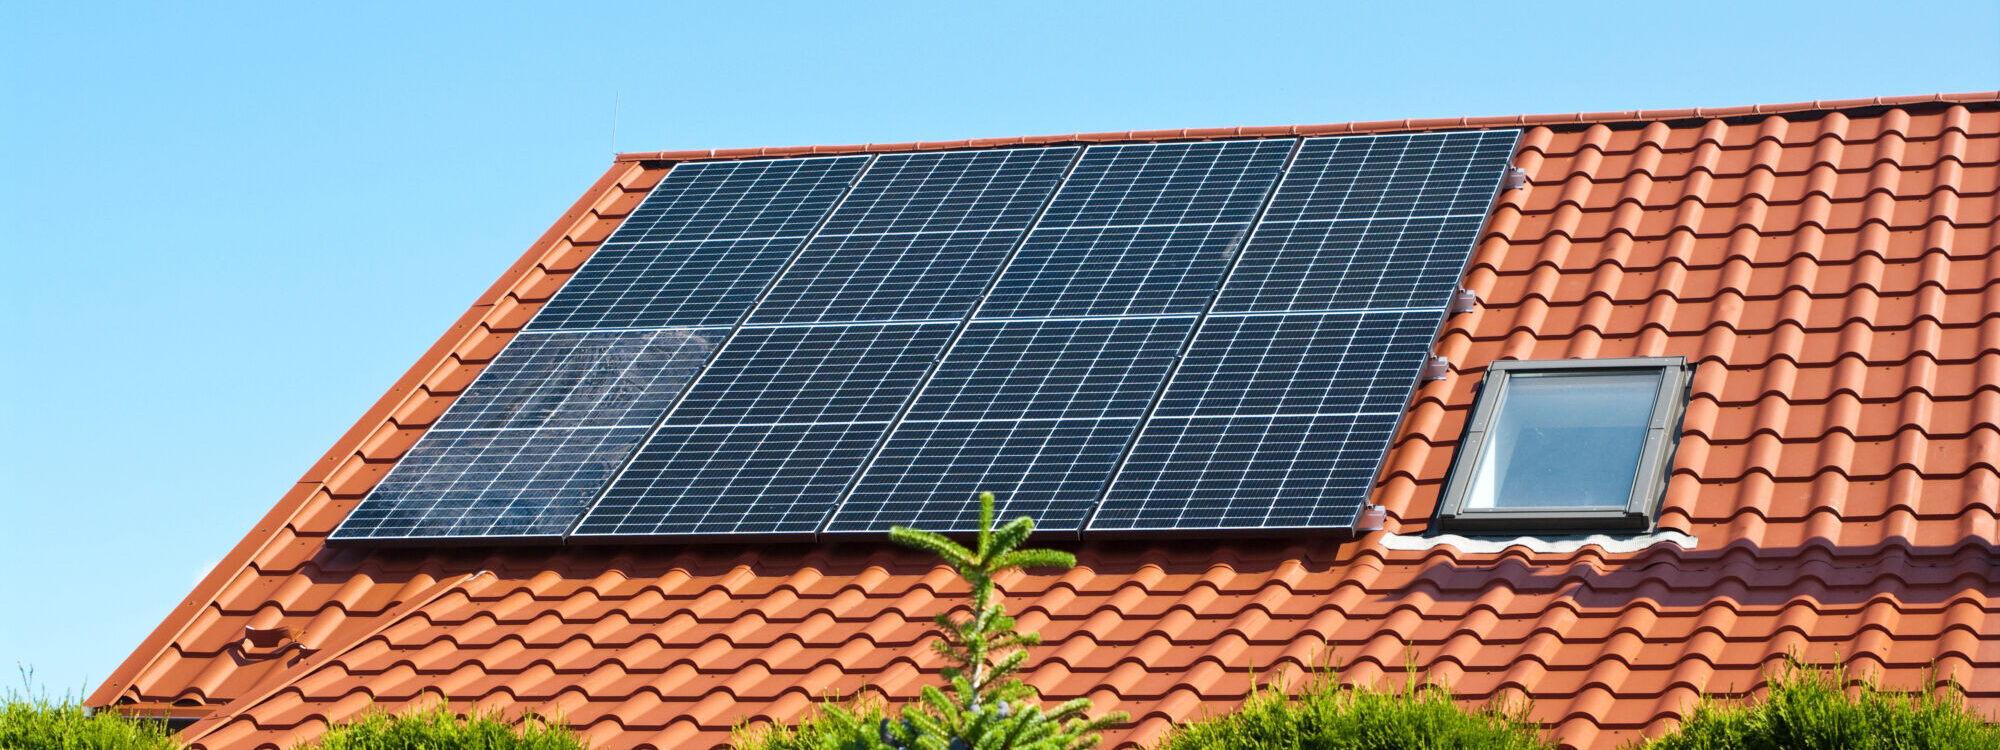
771 433
1389 263
1053 369
1247 473
712 480
1035 411
1281 412
1329 363
1398 174
1157 337
701 247
928 474
920 237
1140 230
534 438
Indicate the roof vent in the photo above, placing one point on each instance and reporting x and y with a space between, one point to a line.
1464 301
269 637
1436 368
1516 179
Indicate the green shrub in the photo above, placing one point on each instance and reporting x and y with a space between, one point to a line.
437 728
1326 715
40 724
1808 709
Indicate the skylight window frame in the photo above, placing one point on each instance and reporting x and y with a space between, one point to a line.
1649 481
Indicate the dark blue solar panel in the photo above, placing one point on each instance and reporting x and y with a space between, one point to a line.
1168 183
1156 270
952 191
705 242
1404 174
1301 364
1248 473
930 473
1034 411
773 431
1392 263
534 438
733 479
1140 230
919 238
1034 369
832 373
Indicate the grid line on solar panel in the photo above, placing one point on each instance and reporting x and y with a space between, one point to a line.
1168 183
733 479
920 236
534 437
1414 174
1092 368
1140 229
1328 363
951 191
928 473
1149 270
847 373
688 257
880 277
1337 266
573 379
492 483
1247 473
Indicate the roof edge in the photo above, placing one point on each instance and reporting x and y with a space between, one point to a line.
1380 126
281 516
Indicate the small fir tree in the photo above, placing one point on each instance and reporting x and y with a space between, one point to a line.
984 704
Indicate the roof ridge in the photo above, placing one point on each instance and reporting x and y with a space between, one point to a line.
1378 126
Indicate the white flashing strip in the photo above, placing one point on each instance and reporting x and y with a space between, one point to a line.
1551 545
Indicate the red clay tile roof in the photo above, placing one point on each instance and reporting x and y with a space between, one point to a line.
1831 267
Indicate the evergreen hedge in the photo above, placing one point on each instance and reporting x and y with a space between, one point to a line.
1808 708
1325 715
37 723
437 728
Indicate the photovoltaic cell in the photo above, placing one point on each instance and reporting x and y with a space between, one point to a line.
952 191
1212 182
1391 263
1332 363
705 242
930 473
834 373
1036 411
771 433
1247 473
733 479
920 237
1067 394
1395 175
534 438
1049 369
1140 229
1152 270
1278 421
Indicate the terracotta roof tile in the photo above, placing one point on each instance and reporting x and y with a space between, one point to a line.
1829 267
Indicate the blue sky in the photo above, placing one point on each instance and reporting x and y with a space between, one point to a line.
231 227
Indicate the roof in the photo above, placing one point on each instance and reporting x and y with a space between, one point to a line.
1829 268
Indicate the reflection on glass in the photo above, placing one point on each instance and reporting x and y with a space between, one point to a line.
1565 441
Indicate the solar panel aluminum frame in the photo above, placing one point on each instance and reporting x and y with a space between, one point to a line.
1381 454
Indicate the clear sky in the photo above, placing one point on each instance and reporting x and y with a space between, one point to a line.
229 228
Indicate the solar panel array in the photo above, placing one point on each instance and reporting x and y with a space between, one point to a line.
1137 338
